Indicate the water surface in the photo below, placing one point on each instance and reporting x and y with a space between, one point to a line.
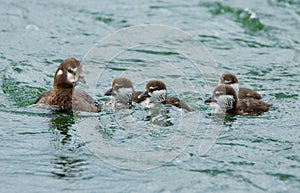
45 152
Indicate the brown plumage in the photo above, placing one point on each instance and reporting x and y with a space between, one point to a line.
225 100
251 106
177 103
231 79
135 97
63 94
156 91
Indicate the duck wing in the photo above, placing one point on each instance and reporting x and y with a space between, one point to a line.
43 98
84 102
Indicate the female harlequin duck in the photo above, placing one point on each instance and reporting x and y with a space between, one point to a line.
123 94
231 79
224 100
63 94
156 92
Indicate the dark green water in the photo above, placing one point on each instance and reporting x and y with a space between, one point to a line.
137 150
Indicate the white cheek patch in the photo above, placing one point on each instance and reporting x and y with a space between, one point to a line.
158 95
70 77
60 72
124 95
226 101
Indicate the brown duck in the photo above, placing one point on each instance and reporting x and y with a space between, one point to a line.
63 94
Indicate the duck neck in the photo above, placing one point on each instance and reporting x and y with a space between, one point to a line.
62 97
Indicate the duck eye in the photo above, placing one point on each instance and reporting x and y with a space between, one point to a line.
151 90
70 70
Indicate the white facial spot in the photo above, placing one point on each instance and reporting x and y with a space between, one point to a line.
227 81
60 72
71 77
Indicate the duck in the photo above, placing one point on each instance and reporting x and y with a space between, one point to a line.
225 100
123 94
156 93
63 95
231 79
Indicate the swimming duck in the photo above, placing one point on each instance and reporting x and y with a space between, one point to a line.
231 79
224 100
63 94
156 92
123 94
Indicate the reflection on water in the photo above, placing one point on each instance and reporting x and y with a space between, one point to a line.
62 123
160 116
67 167
222 119
66 164
139 125
139 138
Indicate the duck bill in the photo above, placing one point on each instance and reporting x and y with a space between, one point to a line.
109 92
144 94
210 100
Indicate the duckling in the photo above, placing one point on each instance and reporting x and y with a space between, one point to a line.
156 92
224 100
231 79
123 94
